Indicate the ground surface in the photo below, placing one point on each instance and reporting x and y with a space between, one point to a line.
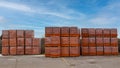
38 61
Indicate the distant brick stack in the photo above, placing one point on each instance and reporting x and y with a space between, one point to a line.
99 41
20 42
62 41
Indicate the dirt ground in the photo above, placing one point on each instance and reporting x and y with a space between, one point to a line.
39 61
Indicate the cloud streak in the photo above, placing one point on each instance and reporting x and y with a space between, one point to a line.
40 10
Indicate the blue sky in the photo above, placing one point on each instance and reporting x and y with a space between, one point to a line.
37 14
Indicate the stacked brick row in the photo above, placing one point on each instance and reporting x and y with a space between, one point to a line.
99 41
52 42
62 41
70 41
20 42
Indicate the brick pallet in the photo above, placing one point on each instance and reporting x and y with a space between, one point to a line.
99 41
64 39
20 42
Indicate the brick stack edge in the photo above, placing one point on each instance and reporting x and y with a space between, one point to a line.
62 41
99 42
20 42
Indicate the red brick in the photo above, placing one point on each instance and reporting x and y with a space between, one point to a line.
13 51
114 42
5 42
5 34
36 42
65 41
13 42
106 33
28 42
36 50
12 33
20 42
99 32
113 32
5 51
92 42
99 41
107 50
56 31
55 52
20 33
28 50
92 51
85 32
85 51
75 51
74 41
100 51
85 42
20 50
65 51
91 32
48 41
115 51
56 41
74 31
48 31
65 31
48 51
29 34
106 41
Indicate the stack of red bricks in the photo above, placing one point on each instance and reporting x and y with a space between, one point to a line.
99 41
110 42
52 42
62 42
70 41
20 42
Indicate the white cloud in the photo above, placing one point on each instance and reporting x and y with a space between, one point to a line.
16 6
2 19
26 8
